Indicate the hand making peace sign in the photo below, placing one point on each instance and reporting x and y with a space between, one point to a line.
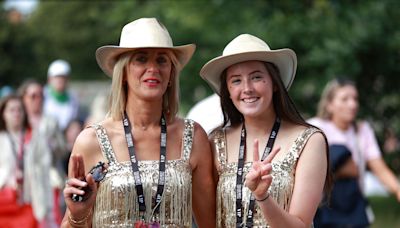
259 177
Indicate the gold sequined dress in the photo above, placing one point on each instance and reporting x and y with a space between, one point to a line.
116 203
281 188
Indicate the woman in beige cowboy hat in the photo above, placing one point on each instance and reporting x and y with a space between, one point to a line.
159 167
272 165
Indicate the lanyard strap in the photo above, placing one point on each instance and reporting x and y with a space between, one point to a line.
135 167
239 176
19 154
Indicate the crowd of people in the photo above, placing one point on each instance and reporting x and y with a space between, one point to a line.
254 161
39 124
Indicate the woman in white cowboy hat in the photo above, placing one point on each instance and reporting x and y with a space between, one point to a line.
272 165
159 166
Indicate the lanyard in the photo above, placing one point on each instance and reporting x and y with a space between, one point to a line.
239 176
135 167
19 154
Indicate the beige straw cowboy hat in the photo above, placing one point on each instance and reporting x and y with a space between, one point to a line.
247 47
142 33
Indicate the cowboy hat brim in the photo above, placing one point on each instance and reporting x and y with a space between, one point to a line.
107 56
284 59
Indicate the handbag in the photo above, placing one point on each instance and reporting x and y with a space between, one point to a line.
346 206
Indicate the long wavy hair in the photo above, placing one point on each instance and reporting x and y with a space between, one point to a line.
283 105
119 88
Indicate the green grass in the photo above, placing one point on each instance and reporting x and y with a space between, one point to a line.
387 212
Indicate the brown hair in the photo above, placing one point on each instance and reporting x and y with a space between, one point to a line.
283 104
25 85
3 103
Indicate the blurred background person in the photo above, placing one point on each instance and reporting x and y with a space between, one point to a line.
46 136
207 112
18 206
5 91
59 102
98 108
70 133
337 112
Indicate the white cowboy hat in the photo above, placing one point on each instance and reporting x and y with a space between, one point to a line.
142 33
246 47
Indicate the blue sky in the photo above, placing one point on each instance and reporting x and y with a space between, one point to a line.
25 6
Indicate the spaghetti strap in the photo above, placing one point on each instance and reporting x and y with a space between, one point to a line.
187 140
104 143
219 138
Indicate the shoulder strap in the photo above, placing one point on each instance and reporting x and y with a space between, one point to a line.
187 140
104 143
219 139
302 140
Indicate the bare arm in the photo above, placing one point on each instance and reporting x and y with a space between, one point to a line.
82 159
203 188
307 193
347 170
382 171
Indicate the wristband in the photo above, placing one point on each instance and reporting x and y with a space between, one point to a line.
266 197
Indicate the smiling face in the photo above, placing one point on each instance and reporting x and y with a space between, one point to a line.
250 87
343 106
148 73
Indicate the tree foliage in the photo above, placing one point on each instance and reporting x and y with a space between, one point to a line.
358 39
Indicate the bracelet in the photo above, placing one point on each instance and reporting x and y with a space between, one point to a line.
266 197
81 222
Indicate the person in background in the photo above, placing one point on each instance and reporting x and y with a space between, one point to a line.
48 138
337 117
98 108
59 102
281 185
6 90
20 192
159 166
207 113
71 133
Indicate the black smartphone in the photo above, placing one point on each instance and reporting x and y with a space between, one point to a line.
98 172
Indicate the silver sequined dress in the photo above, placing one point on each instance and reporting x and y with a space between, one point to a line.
116 203
281 188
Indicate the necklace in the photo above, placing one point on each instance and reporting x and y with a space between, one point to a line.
239 174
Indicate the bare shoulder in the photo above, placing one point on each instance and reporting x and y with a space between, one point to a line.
201 149
179 124
315 142
316 146
86 144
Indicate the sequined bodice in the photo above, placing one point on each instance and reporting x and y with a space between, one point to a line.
116 203
281 188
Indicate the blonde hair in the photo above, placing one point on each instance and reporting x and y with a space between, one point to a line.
328 94
119 89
